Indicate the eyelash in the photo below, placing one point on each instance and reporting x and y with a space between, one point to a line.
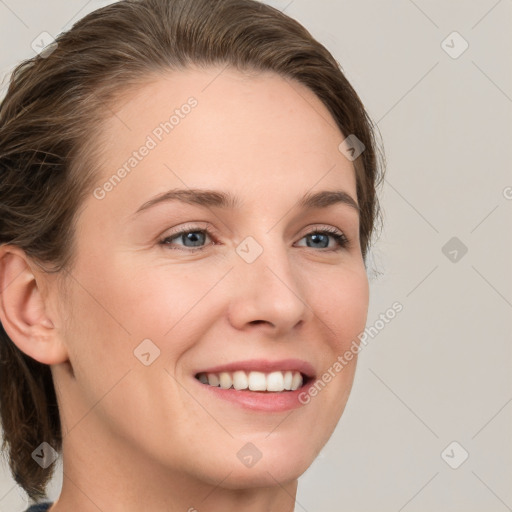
340 238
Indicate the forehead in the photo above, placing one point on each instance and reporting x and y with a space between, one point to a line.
257 134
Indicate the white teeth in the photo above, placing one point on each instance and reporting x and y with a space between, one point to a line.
240 380
225 380
213 379
254 381
296 381
275 381
257 381
288 376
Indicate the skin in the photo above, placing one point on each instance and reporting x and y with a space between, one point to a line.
142 437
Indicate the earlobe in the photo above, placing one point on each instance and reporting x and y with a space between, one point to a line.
23 312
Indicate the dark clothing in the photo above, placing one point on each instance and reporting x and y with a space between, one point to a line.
40 507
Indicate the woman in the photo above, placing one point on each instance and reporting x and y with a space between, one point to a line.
188 195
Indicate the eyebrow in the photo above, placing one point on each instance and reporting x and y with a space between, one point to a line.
225 200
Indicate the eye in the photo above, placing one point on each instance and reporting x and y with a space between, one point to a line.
193 235
193 239
320 239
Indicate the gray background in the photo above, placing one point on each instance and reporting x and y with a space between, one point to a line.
440 370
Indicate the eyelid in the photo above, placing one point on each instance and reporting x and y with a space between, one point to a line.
189 226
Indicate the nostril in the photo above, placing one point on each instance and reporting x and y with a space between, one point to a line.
257 322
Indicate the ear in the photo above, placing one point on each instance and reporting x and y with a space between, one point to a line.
23 311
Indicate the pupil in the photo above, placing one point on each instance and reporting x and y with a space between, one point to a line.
315 236
192 237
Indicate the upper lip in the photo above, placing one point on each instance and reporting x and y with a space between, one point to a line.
265 366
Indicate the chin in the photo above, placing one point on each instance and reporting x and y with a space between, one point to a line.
278 463
267 474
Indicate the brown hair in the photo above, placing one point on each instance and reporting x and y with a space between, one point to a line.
55 101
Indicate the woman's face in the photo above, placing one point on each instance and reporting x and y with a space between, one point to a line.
149 309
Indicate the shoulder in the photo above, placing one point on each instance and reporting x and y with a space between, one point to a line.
39 507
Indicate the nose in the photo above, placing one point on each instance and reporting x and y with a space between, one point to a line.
267 294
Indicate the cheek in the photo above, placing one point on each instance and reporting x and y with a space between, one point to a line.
158 309
169 304
342 311
342 305
355 303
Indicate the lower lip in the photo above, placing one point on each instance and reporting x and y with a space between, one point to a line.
261 401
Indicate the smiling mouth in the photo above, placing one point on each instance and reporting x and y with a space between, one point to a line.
271 382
